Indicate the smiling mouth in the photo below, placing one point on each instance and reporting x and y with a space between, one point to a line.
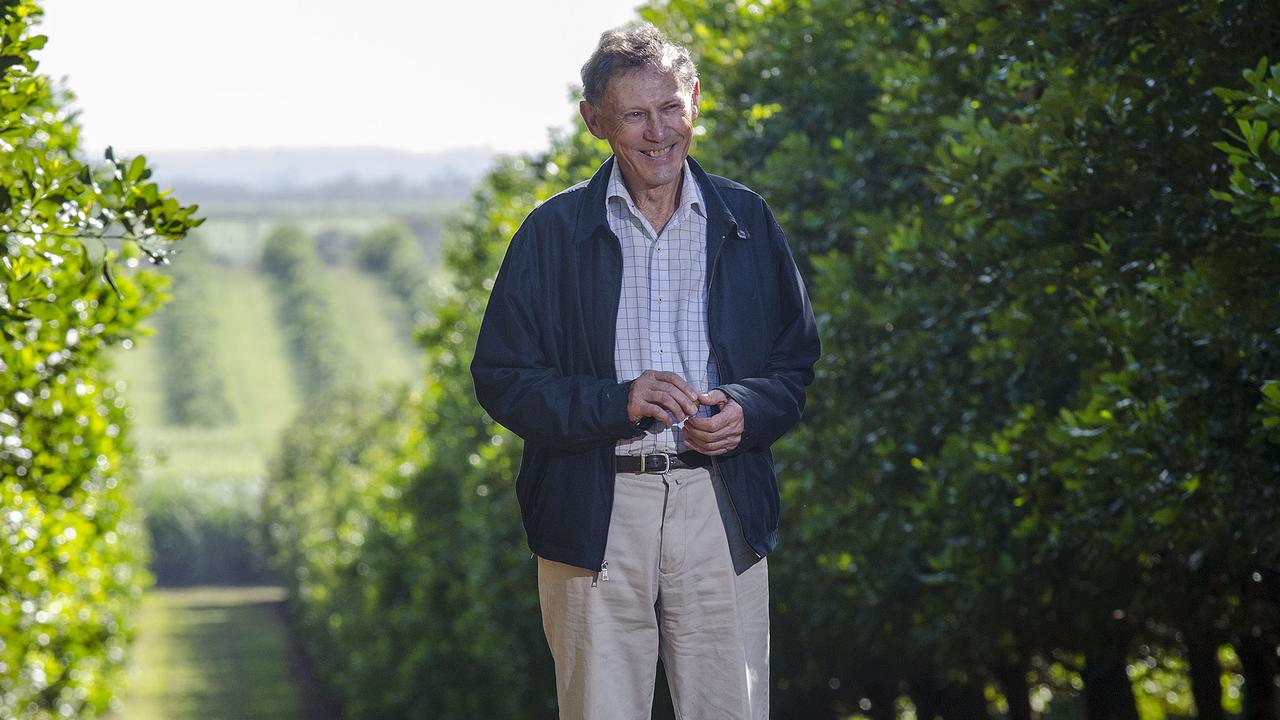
659 153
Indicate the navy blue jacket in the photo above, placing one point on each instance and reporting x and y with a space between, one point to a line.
544 364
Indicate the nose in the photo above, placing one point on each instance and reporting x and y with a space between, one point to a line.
653 128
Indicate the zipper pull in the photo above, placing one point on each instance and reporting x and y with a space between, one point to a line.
604 571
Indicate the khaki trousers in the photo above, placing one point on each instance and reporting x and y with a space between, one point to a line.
680 584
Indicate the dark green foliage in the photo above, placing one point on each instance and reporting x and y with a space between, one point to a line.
1034 430
193 389
305 313
72 556
334 246
205 532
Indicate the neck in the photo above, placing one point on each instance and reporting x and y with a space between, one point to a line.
656 204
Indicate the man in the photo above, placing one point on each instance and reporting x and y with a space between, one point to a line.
649 337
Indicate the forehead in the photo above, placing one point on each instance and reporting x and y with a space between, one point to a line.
643 85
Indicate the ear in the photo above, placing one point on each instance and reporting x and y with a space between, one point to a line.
694 99
591 116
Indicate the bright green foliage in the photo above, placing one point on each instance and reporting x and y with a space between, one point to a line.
395 525
71 552
392 252
305 313
193 385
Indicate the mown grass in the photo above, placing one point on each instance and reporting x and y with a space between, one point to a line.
255 368
215 653
371 325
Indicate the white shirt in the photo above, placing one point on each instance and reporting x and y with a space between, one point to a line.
662 311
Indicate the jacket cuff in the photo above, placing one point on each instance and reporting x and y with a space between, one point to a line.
626 428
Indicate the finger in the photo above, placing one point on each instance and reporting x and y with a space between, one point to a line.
678 383
660 414
713 448
683 400
725 438
648 389
701 444
708 425
716 398
674 401
705 445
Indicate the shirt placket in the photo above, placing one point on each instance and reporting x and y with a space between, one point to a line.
659 340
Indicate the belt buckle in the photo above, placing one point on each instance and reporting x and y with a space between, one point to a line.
665 456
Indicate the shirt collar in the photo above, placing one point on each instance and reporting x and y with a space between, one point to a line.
690 193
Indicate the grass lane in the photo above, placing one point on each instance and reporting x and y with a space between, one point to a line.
371 325
218 653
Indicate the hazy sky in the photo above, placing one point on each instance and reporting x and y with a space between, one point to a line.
407 74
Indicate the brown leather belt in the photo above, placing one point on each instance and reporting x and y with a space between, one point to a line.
661 463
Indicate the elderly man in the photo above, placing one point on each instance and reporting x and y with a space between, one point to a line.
649 337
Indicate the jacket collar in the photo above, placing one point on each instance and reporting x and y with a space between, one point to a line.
591 221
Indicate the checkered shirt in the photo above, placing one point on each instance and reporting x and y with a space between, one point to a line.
662 312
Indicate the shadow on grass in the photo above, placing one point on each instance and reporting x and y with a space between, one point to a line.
221 652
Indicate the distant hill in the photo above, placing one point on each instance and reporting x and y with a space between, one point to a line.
221 176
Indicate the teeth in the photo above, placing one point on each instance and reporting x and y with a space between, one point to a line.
658 153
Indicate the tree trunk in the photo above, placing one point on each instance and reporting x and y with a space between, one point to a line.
1206 678
1013 680
927 697
1258 660
882 699
1108 694
968 701
935 699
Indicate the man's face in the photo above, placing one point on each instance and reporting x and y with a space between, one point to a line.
648 122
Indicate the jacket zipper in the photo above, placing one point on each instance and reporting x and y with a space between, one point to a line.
613 369
715 464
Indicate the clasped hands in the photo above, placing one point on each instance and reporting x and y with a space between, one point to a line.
668 399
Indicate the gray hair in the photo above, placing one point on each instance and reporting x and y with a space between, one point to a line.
627 48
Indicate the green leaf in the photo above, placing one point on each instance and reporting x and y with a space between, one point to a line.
1230 149
136 167
1257 136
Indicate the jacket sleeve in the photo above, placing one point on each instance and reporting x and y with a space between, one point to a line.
773 402
515 381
